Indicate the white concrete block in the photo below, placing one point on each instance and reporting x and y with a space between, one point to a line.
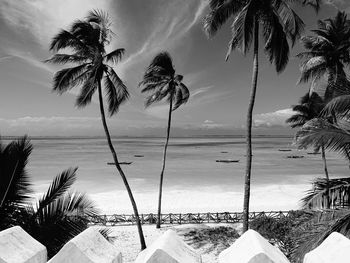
251 247
88 247
169 248
334 249
17 246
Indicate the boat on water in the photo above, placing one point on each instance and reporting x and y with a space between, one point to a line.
138 155
295 156
224 152
227 161
121 163
314 153
285 150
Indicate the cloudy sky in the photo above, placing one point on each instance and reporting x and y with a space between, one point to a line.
219 89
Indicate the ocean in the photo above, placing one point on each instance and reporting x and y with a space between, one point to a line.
193 182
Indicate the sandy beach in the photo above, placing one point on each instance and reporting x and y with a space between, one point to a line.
127 240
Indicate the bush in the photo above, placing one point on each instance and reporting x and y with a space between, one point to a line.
215 238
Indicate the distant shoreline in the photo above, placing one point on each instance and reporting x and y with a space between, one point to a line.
4 137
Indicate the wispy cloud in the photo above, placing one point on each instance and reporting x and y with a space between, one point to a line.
42 18
169 31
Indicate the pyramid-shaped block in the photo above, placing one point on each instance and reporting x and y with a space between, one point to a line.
334 249
88 247
17 246
169 248
251 247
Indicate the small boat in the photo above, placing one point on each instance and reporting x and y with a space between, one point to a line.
138 155
121 163
224 152
314 153
227 161
295 156
285 150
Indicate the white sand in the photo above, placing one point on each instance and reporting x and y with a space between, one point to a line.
127 239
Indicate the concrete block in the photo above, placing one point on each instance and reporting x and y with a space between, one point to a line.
17 246
88 247
169 248
251 247
334 249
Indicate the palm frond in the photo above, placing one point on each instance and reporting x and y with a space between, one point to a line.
320 132
162 64
334 191
276 46
87 91
220 12
181 96
242 29
58 187
293 25
15 186
66 39
337 106
68 78
66 58
297 120
115 56
156 97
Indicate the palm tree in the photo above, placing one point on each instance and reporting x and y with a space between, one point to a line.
327 53
160 79
87 40
278 23
334 136
309 108
58 215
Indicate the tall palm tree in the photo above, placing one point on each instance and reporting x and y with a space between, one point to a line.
310 107
278 23
326 55
160 79
49 221
87 39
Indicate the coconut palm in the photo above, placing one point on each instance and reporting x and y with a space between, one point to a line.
50 221
87 39
334 136
278 23
310 107
161 81
326 55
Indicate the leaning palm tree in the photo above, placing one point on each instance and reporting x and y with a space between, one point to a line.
160 79
58 215
326 55
87 39
310 107
278 23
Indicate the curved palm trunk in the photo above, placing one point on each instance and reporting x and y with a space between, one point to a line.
249 128
121 172
327 176
163 165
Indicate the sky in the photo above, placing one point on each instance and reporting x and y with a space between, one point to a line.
219 90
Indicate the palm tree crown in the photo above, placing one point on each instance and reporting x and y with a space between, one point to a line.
161 80
278 20
327 52
87 40
309 107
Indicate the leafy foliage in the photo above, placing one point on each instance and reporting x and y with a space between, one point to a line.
87 39
218 238
160 80
278 21
327 52
58 215
281 232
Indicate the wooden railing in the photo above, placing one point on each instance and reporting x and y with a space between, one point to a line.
189 218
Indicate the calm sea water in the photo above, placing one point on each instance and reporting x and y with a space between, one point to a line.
194 182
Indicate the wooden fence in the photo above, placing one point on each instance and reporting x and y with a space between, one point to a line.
189 218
